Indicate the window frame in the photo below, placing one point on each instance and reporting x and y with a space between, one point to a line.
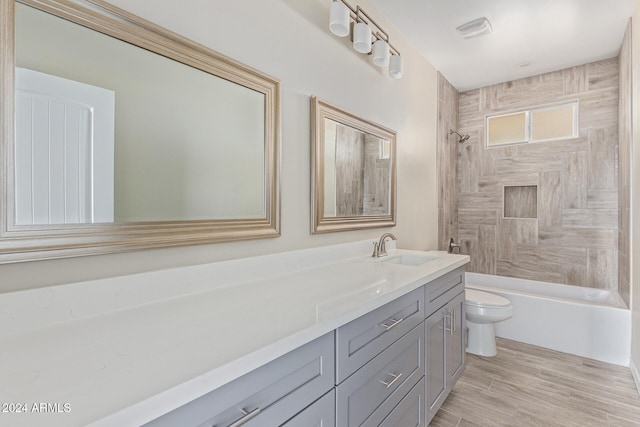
529 113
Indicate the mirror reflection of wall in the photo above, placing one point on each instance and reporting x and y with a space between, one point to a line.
357 172
188 145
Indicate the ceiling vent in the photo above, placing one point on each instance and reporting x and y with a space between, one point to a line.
476 28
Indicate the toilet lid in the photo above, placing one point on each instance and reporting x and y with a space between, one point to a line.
484 299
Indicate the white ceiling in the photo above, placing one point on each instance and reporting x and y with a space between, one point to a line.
548 34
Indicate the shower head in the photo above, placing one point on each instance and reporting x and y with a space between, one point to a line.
461 138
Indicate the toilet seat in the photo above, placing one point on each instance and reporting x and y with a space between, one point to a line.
475 298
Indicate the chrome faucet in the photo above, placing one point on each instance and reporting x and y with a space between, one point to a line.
452 246
379 247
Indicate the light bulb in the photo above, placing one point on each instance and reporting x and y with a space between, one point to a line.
339 19
395 66
362 37
381 53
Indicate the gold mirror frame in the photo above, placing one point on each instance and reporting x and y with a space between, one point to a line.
321 110
25 243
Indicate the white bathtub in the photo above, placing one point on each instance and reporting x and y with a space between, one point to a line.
586 322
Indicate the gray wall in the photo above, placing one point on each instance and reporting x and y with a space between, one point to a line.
574 239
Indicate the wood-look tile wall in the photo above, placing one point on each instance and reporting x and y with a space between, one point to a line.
574 239
349 171
376 178
447 152
624 168
362 177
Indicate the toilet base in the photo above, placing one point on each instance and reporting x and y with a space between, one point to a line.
481 339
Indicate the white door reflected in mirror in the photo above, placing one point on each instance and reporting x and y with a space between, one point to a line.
64 150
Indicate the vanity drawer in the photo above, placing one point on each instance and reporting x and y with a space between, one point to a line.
270 395
359 341
376 388
409 412
441 290
321 414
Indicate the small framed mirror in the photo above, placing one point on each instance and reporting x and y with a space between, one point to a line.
353 175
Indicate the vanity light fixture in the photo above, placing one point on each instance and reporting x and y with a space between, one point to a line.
368 37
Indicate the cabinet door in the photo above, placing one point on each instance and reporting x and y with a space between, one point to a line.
435 361
455 338
320 414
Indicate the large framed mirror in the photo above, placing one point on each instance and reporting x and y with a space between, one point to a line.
353 175
119 135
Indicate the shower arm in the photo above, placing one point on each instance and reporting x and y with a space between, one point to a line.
461 138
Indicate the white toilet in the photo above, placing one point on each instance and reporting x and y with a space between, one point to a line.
483 309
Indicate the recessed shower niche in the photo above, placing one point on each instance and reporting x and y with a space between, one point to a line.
521 201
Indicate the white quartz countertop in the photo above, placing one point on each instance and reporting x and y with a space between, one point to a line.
135 358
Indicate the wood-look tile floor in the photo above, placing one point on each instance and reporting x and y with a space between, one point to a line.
526 385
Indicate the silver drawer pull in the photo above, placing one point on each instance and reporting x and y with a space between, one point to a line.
246 417
390 384
453 321
449 317
388 326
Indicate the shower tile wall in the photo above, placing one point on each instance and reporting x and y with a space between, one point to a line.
574 239
447 152
624 169
349 171
376 178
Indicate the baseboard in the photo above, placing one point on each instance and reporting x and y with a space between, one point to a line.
635 374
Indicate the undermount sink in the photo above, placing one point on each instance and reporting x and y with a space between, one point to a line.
409 259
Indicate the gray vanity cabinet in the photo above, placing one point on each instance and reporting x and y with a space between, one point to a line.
379 361
368 396
359 341
410 411
440 291
269 396
320 414
435 366
445 334
456 340
389 367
